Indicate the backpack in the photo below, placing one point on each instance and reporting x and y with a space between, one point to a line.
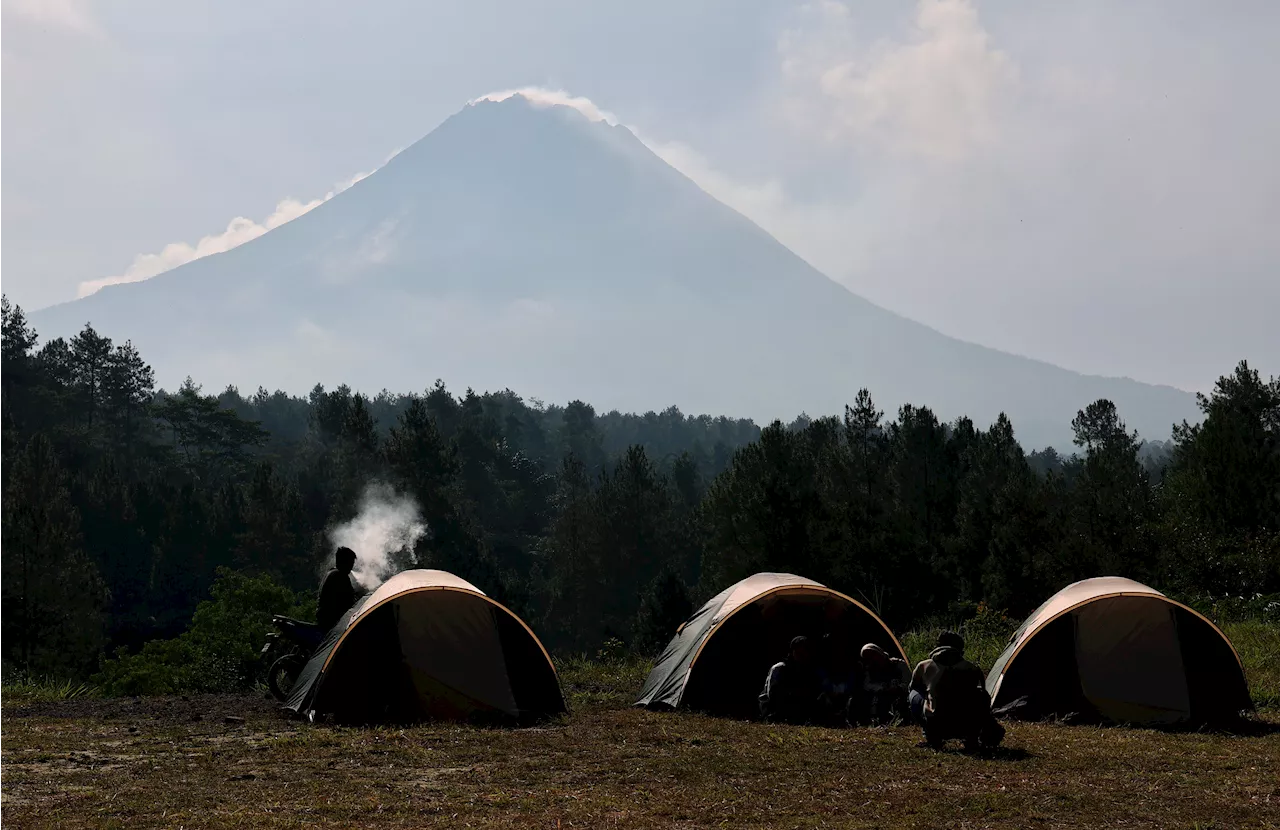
957 687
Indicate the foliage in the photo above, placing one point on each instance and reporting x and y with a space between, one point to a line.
664 605
1257 641
986 634
593 526
219 653
25 689
52 595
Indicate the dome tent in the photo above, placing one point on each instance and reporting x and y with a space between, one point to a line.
719 657
429 645
1114 650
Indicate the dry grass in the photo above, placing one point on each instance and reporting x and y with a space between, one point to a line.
150 763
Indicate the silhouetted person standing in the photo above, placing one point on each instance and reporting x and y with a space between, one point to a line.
337 594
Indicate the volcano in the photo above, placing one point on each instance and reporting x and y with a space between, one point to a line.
529 247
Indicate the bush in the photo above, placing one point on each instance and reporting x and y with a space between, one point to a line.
986 634
663 607
219 652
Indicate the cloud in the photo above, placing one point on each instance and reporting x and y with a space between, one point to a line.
936 94
1004 190
62 15
239 231
543 97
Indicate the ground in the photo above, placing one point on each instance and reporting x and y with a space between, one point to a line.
192 762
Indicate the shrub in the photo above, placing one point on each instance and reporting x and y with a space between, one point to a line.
219 652
986 634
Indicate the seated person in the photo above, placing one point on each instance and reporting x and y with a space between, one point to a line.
884 686
337 593
792 689
949 695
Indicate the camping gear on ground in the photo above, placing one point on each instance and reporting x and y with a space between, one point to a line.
719 657
427 645
286 651
1112 650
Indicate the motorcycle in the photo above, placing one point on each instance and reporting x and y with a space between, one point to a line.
287 651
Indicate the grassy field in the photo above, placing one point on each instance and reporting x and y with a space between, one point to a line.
176 762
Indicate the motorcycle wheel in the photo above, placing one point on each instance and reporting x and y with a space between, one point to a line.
283 674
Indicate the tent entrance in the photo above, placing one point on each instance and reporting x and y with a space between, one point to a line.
1130 660
730 670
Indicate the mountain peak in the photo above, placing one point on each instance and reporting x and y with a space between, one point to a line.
540 98
533 242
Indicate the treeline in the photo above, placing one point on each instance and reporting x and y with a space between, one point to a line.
121 503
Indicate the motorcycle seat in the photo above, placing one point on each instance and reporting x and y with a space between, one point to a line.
293 622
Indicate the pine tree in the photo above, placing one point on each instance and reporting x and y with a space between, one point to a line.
575 580
53 597
635 537
275 539
760 513
128 385
427 466
90 367
580 436
1112 499
1227 469
664 605
18 373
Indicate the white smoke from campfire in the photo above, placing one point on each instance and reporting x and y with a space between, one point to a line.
383 534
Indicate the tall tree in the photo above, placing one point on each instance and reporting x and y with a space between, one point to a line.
576 581
635 536
90 367
580 436
18 374
212 442
128 386
1113 501
424 463
1227 468
761 512
53 597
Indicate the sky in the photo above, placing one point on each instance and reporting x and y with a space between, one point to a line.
1093 184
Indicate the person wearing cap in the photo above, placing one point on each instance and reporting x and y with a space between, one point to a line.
793 686
948 695
884 686
337 594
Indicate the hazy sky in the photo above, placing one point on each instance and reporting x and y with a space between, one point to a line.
1091 183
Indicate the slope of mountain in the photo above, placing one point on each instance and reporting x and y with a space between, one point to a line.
528 247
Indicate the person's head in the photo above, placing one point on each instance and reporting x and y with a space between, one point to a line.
873 657
801 650
950 639
345 558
